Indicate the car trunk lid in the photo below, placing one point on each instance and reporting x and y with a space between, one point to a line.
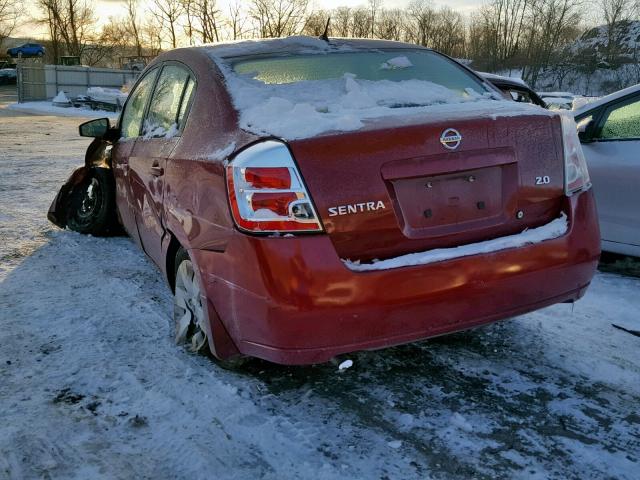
391 190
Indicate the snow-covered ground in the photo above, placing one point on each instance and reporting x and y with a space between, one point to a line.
92 386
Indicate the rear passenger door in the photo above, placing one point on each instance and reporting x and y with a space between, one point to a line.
614 165
161 131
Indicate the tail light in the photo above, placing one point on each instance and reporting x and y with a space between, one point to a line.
576 174
266 191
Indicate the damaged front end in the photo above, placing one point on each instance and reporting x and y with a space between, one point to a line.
86 201
57 213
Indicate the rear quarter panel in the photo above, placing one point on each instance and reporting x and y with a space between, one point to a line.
196 206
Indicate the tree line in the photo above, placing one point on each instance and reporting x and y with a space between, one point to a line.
498 35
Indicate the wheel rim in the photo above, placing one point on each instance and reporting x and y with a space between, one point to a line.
90 200
188 312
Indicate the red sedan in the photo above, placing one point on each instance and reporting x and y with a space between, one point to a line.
305 198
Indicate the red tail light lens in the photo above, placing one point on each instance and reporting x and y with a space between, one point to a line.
276 177
272 203
266 191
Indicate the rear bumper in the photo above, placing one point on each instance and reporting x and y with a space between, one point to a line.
292 300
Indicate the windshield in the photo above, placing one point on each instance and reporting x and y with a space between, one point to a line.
393 65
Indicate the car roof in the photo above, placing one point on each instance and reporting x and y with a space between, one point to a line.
604 100
299 45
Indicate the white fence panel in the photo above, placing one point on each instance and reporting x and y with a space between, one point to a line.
43 82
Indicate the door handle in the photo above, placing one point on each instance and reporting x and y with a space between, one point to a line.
156 170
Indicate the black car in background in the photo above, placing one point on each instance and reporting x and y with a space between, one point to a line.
514 88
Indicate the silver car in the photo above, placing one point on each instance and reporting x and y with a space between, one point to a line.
609 131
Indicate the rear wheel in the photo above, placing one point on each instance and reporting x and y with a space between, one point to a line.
188 311
91 206
189 316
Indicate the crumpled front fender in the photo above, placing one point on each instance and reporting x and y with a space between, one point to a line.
58 210
98 155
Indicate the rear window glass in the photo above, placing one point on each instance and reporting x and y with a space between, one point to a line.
304 95
392 65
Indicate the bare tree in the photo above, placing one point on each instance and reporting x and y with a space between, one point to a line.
133 27
207 19
420 22
341 22
71 23
278 18
449 35
501 26
616 14
390 24
361 24
374 8
49 19
551 24
10 13
109 44
167 14
152 32
236 21
316 22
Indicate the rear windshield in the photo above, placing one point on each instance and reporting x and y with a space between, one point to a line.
304 95
394 65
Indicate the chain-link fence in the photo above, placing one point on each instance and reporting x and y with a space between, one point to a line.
43 82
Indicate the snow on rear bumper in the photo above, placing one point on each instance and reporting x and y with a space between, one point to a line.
553 229
292 300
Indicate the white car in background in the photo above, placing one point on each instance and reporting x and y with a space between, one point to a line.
609 130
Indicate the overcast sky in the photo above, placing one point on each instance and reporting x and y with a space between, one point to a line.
107 8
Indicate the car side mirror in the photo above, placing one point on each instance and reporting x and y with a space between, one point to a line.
585 130
97 128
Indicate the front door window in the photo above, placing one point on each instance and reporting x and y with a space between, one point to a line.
131 121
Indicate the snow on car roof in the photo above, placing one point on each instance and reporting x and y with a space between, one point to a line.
297 45
604 100
307 108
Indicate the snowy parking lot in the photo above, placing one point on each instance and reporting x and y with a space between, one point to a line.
92 385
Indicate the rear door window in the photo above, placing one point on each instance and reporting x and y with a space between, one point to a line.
163 117
186 102
622 121
133 113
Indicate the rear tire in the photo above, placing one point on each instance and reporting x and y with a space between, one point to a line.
189 315
91 206
188 312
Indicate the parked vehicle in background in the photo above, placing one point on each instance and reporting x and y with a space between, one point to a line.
610 136
8 76
27 50
135 63
514 88
69 60
306 198
558 100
